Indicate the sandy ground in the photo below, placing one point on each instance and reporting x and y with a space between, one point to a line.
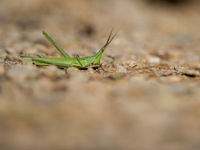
146 96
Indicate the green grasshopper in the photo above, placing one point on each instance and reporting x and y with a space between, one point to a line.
67 61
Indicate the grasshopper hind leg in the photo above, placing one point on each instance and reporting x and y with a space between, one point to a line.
39 63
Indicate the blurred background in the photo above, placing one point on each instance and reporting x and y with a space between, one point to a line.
147 96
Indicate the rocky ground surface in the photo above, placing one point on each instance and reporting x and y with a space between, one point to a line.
146 96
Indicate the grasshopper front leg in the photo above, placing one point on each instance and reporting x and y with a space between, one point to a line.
77 57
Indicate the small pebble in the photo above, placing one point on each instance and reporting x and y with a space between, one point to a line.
110 60
130 63
154 60
121 69
191 73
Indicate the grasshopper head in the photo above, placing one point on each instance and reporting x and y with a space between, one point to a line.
100 52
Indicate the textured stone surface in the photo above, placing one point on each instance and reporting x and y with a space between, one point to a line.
146 96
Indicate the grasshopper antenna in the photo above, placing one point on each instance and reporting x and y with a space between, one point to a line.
100 52
109 40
